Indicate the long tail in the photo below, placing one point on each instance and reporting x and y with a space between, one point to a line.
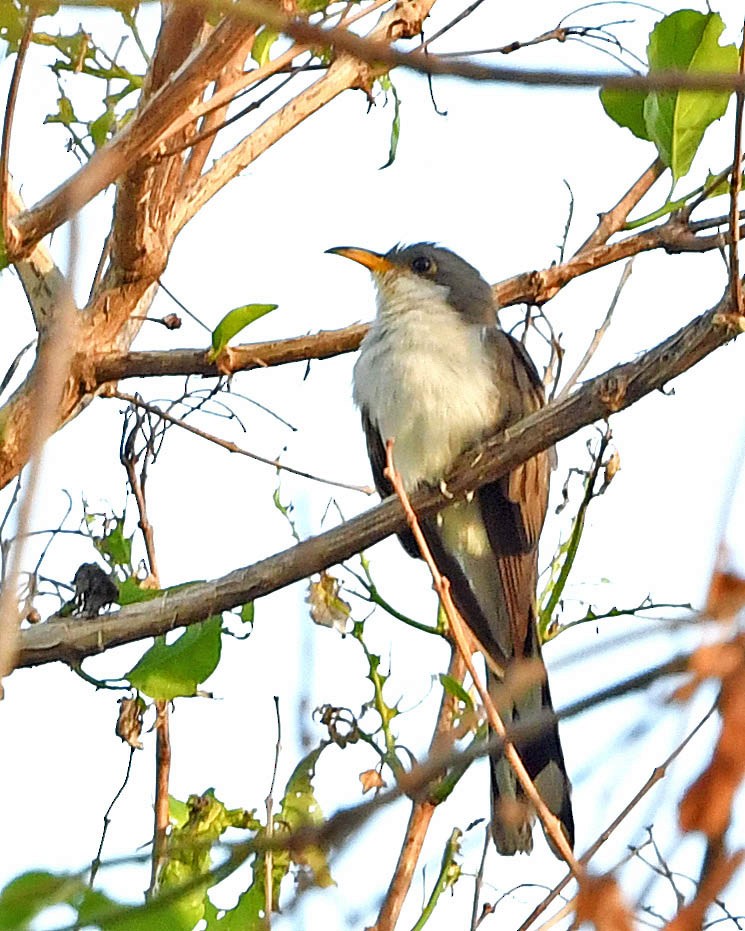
540 751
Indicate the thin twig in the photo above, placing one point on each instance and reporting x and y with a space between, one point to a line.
10 107
421 812
614 219
233 447
128 459
461 637
477 886
658 773
268 856
599 333
161 817
96 864
735 185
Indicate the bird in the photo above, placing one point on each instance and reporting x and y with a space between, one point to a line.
437 374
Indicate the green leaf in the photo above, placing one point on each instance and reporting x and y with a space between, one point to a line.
627 109
299 809
312 6
247 612
99 128
686 41
263 43
115 548
454 688
130 592
388 86
235 321
178 812
30 894
168 671
65 113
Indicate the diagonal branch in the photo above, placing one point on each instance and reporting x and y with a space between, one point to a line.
598 398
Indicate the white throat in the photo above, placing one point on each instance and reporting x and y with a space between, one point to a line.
425 378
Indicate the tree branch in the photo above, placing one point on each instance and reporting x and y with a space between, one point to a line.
533 287
621 386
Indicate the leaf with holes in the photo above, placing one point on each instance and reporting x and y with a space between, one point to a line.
300 809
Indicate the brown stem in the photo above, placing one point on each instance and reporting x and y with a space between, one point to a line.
735 185
162 774
10 107
613 220
421 813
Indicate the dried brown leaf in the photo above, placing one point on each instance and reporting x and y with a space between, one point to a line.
371 779
129 722
726 595
600 903
691 917
707 805
326 607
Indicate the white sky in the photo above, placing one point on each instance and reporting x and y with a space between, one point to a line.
487 181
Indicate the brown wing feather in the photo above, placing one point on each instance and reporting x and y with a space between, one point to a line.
514 507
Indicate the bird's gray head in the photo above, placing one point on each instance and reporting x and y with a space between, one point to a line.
466 290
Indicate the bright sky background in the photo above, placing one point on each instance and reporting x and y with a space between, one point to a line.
487 180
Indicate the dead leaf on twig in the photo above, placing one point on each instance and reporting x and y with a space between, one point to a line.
371 779
600 903
691 917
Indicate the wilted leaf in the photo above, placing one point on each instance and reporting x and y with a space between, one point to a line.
300 809
115 548
326 607
612 467
129 722
65 113
714 881
371 779
389 86
600 903
99 128
168 671
707 805
726 596
232 324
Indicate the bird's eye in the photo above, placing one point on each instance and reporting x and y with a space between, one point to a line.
422 265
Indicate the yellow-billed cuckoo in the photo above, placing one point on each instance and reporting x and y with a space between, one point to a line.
436 374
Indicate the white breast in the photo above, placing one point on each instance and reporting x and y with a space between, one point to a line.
425 380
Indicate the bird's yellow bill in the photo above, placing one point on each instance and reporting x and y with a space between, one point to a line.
373 260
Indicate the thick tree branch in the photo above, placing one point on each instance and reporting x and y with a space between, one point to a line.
140 136
321 345
620 387
534 287
152 127
45 285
